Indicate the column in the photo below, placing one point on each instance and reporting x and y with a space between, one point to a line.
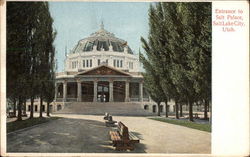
79 91
56 91
95 91
65 90
150 99
127 91
141 91
111 97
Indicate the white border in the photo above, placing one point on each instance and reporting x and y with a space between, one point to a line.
230 93
230 84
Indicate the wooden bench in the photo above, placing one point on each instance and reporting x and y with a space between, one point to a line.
122 139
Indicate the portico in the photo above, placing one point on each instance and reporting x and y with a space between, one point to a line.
101 84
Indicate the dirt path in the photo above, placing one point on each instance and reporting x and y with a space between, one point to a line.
88 134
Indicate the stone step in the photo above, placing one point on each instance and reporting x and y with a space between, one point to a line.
98 108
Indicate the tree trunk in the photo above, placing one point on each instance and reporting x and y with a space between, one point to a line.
48 109
19 110
158 105
166 108
31 107
41 106
210 110
176 110
181 114
14 110
190 105
24 107
205 110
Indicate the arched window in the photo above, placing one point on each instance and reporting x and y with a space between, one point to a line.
121 63
59 107
87 63
117 63
154 108
90 63
83 63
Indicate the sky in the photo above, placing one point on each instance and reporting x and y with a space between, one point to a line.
74 21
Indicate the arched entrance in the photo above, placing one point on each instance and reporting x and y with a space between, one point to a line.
103 91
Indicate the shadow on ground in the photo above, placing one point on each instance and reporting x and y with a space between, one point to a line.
66 135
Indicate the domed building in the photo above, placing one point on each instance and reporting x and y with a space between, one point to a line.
101 68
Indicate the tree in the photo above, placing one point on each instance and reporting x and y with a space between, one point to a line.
151 82
18 63
155 50
29 26
180 46
197 21
46 56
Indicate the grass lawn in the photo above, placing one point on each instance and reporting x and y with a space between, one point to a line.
16 125
193 125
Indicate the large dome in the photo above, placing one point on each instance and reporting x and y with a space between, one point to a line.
102 40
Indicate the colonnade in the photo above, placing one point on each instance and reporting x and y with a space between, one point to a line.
111 94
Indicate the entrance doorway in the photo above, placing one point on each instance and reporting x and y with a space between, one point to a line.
87 91
119 91
103 91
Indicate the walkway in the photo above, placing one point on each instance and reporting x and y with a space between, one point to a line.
88 134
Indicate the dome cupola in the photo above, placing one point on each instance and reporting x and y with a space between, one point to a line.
102 40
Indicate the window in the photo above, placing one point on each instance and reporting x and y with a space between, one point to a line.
130 64
99 61
90 63
121 63
161 108
74 64
114 63
87 63
83 63
107 61
117 63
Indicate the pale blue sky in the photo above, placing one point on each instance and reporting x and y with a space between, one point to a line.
77 20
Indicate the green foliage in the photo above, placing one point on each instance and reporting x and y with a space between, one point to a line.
193 125
152 81
30 51
179 50
17 125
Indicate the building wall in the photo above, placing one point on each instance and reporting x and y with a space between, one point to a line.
74 61
55 106
151 106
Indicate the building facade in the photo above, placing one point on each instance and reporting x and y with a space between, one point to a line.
101 68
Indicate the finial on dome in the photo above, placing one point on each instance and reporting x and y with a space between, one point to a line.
102 25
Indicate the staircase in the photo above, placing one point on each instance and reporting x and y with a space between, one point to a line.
97 108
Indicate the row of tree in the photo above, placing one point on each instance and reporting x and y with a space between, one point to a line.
30 54
177 54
